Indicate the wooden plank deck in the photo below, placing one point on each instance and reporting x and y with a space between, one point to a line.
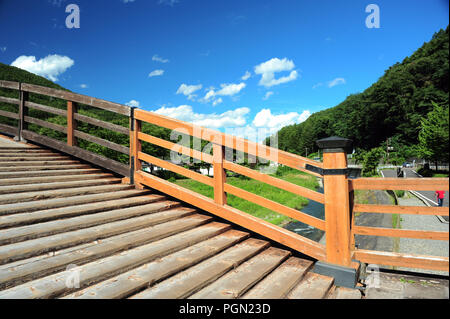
68 230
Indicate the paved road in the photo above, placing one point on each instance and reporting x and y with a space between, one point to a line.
428 195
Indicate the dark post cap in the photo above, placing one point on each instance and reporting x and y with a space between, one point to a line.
335 144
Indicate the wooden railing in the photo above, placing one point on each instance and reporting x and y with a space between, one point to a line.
340 208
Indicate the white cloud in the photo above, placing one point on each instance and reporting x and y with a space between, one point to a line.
269 68
265 119
50 67
156 73
185 113
133 103
83 86
217 101
267 95
168 2
317 85
246 76
336 81
159 59
226 90
188 90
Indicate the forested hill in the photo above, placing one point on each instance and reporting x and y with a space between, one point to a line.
391 108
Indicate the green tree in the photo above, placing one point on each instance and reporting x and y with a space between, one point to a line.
434 135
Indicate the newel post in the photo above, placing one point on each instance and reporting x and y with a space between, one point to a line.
23 112
337 201
135 147
339 263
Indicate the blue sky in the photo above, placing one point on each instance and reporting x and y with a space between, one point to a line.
247 63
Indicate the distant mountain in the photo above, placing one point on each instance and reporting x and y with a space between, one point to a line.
391 108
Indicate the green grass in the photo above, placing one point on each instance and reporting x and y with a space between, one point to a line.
261 189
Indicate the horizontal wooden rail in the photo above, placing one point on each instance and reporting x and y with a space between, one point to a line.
273 181
99 160
100 123
79 98
405 233
402 259
177 169
230 141
9 114
102 142
278 234
395 209
274 206
9 100
176 147
9 85
8 129
418 184
46 124
45 108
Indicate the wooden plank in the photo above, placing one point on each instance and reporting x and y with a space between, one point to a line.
176 147
42 168
281 281
79 153
129 282
45 108
418 184
402 259
47 179
59 193
235 283
273 181
63 202
37 163
22 219
33 158
234 142
109 246
55 285
9 114
9 84
185 283
79 98
313 286
18 234
395 209
35 154
337 211
276 207
177 169
77 171
102 142
406 233
278 234
344 293
100 123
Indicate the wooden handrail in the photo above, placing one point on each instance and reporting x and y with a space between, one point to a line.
340 208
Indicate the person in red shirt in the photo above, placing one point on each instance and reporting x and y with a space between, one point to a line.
440 197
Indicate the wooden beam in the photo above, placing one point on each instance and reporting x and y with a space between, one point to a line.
405 233
394 209
402 259
418 184
100 123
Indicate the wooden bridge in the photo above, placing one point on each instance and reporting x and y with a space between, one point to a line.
74 224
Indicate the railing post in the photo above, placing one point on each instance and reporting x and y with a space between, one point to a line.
135 148
71 123
337 200
22 125
220 197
